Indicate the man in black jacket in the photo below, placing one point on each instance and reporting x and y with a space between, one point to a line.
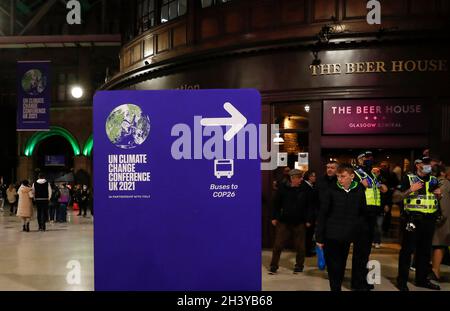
341 221
42 192
366 175
289 217
388 178
309 186
329 179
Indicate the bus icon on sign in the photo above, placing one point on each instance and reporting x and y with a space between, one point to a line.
223 168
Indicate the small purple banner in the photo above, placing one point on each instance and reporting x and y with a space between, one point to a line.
33 95
361 117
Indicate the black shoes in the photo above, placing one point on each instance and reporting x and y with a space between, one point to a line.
360 289
273 270
429 285
363 288
433 277
402 287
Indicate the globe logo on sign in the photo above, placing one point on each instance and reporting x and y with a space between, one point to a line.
34 82
127 126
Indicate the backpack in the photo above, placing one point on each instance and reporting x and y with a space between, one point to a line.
64 195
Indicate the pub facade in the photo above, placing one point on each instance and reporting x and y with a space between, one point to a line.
334 84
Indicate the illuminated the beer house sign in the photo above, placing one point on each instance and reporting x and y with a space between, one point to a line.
403 116
395 66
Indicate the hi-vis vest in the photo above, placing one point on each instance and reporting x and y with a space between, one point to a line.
373 196
426 203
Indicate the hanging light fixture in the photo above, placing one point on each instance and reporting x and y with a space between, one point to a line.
307 108
278 140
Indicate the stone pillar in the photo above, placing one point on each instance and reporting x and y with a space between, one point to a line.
316 162
82 163
25 169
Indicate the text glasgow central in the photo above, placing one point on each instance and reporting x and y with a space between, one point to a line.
432 65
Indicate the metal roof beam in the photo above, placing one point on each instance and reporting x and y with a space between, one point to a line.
43 10
8 15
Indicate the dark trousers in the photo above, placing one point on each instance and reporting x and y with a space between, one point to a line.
378 229
83 208
309 243
336 254
13 207
283 233
420 241
387 219
52 208
42 213
61 212
362 248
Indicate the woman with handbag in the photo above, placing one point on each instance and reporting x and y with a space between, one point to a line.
25 206
441 239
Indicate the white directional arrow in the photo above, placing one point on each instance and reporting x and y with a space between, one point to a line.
237 121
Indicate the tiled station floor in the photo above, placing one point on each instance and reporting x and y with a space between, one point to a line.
312 279
43 260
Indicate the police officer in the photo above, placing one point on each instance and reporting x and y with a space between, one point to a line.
373 188
420 206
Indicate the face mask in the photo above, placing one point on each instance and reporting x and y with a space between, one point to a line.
368 163
427 169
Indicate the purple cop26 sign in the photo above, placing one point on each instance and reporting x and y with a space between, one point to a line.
33 95
170 213
399 116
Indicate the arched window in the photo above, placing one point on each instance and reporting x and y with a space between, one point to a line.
151 13
146 12
171 9
54 131
208 3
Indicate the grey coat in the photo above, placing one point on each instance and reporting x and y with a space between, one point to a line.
442 232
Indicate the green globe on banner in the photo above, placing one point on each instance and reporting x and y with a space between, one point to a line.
127 127
34 82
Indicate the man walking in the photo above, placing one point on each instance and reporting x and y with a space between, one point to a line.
289 218
342 218
373 189
42 192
